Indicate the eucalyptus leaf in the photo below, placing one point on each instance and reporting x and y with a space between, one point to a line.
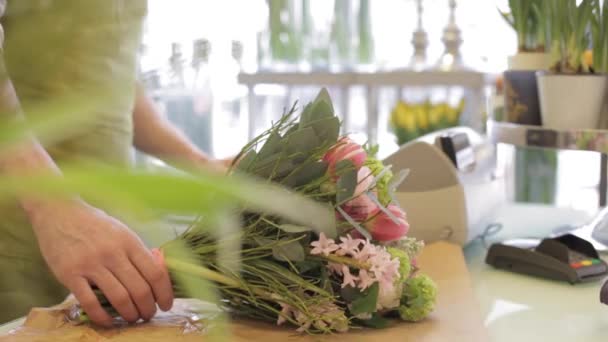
271 146
321 110
293 228
303 141
376 322
290 251
350 293
247 161
347 183
324 96
306 174
309 265
366 303
305 117
327 130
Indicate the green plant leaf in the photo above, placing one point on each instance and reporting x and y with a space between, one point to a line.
309 265
247 161
290 251
347 182
320 110
305 174
376 322
302 143
349 293
271 146
366 303
324 96
306 116
293 228
327 130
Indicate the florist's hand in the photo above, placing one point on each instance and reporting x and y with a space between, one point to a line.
84 246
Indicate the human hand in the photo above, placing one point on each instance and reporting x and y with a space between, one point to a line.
84 246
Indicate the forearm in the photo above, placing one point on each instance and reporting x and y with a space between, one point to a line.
26 156
155 135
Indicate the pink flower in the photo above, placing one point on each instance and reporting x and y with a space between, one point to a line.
365 179
365 279
368 251
349 246
349 279
286 312
384 228
345 149
323 246
361 206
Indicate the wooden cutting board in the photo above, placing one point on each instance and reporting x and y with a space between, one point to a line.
456 317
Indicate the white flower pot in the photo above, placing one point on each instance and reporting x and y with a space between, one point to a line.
571 101
529 61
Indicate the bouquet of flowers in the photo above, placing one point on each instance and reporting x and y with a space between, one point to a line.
359 271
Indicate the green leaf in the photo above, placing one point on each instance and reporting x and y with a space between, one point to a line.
327 130
247 161
349 293
347 182
302 143
293 228
376 322
321 110
305 174
324 96
306 116
366 303
271 146
308 265
275 165
290 251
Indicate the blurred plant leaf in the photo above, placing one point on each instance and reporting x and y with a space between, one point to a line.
271 146
305 174
290 251
366 303
174 193
347 182
293 228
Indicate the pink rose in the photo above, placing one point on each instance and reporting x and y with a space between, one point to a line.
361 206
345 149
383 228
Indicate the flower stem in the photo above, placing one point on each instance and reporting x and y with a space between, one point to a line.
203 272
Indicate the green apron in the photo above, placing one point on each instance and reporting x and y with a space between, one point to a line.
65 56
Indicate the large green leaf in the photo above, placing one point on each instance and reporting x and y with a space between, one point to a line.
174 193
376 322
271 146
302 143
247 161
305 174
290 251
294 228
347 182
366 303
327 130
324 96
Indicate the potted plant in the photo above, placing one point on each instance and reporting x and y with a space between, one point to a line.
571 94
521 95
526 18
535 170
599 31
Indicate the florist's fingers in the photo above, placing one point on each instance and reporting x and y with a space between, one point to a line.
81 289
116 294
139 290
156 275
